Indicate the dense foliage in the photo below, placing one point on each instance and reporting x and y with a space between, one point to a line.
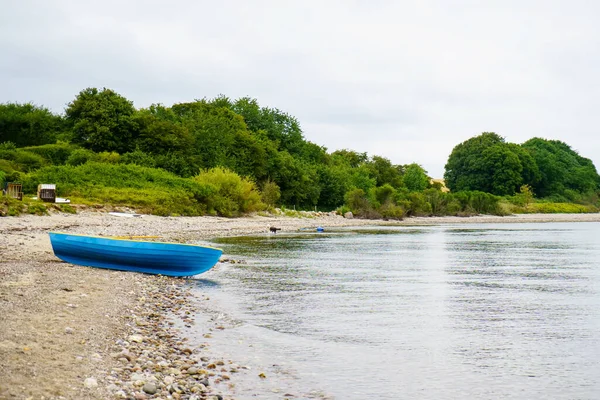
230 157
550 167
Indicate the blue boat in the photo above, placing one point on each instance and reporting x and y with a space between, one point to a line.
172 259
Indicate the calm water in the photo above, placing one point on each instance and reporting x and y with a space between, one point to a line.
507 311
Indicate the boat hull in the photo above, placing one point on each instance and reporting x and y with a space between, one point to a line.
172 259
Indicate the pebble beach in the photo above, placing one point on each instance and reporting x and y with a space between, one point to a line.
71 332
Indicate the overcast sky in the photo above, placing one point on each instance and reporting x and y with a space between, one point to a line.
407 80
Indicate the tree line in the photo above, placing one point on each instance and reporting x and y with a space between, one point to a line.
261 154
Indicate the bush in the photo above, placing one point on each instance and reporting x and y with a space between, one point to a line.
108 157
419 206
80 156
23 160
389 210
270 193
560 208
138 157
232 195
356 200
55 154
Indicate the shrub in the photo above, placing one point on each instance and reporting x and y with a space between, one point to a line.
22 160
8 146
138 157
80 156
391 211
270 193
419 206
55 154
558 208
356 200
232 195
108 157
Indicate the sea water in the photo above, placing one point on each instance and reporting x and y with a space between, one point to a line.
471 311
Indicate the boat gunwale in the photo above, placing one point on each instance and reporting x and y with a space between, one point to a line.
135 241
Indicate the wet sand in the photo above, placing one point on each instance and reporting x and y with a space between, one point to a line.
70 332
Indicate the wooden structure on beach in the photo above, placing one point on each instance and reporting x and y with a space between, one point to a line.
47 192
14 190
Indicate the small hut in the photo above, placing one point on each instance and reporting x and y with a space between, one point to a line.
14 190
47 192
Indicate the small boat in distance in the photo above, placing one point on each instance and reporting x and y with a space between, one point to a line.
172 259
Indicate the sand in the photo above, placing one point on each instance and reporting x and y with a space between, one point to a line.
65 331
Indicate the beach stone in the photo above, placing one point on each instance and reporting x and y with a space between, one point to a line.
140 396
198 388
138 377
150 388
349 215
136 338
69 330
90 383
113 387
193 370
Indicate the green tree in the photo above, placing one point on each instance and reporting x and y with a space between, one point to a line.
281 128
561 168
159 135
415 177
487 163
270 193
382 170
351 158
298 180
28 125
102 120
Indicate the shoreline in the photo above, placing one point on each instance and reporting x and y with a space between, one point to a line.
84 333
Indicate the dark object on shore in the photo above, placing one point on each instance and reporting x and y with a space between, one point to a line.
172 259
274 230
47 192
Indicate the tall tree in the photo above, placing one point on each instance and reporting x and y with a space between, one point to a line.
280 127
488 164
383 172
102 120
561 168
